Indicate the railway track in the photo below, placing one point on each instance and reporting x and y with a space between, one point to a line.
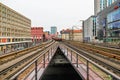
9 57
29 70
107 52
112 66
8 69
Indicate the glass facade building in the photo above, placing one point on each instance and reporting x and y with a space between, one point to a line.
100 5
109 2
108 23
113 27
53 30
103 4
106 3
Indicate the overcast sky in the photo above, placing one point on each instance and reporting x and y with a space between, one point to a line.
46 13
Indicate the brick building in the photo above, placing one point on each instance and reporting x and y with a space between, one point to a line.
37 34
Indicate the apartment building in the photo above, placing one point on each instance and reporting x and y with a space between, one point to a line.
65 34
69 34
37 34
15 29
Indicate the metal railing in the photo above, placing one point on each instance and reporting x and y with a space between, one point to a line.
68 51
49 51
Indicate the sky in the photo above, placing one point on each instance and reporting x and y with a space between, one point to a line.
60 13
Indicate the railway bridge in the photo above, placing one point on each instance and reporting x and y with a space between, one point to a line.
64 60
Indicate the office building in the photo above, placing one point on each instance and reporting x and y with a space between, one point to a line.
15 29
109 2
89 29
100 5
108 22
96 6
54 30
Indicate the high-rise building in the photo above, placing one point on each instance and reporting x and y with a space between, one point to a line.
15 29
53 30
100 5
108 23
109 2
96 6
89 29
103 4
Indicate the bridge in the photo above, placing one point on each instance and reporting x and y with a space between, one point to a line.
64 60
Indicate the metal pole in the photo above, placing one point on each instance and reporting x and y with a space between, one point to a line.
51 52
36 70
64 49
44 61
48 56
77 60
71 55
87 70
67 51
72 33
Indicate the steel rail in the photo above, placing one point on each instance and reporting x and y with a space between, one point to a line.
20 62
95 61
103 51
11 77
8 57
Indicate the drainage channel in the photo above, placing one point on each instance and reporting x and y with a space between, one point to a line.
60 68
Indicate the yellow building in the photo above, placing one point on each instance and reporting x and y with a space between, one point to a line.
75 35
65 34
15 29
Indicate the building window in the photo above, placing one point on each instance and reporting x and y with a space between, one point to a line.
113 16
8 40
114 25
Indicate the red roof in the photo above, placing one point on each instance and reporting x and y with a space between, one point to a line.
69 30
77 31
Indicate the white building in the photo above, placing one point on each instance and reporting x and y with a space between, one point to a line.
89 29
